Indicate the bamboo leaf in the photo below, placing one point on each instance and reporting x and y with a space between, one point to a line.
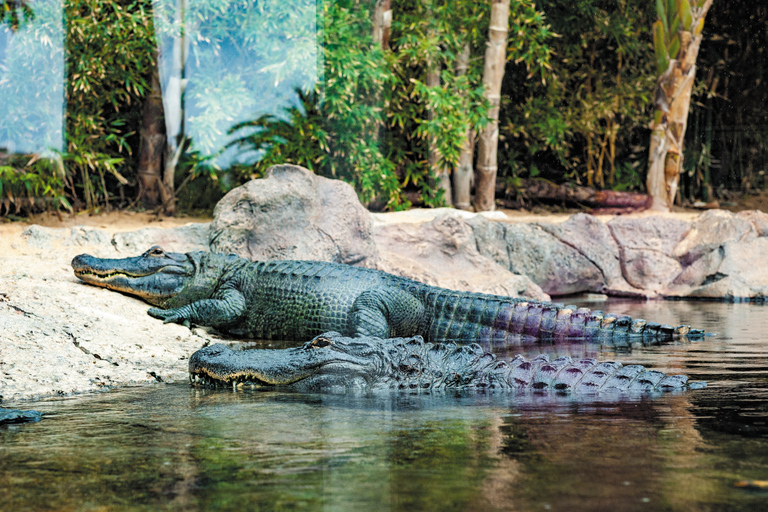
662 56
671 9
661 12
674 46
684 12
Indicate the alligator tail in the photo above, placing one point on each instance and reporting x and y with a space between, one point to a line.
491 318
585 375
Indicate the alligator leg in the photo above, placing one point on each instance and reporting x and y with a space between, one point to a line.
385 313
227 309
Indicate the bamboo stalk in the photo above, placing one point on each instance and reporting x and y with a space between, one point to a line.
493 73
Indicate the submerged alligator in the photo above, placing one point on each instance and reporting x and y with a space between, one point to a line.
296 300
333 363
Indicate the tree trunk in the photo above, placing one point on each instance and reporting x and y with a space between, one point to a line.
151 150
606 201
672 97
495 57
382 21
441 174
462 176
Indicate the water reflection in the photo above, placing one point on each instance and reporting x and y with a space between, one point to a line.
32 78
176 448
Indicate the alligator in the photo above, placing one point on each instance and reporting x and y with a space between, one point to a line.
337 364
297 300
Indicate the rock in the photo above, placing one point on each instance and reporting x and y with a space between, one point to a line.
742 274
61 336
17 416
646 247
529 250
192 237
41 237
419 215
709 231
593 239
703 270
758 219
444 253
293 214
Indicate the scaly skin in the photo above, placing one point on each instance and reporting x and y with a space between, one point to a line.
334 363
296 300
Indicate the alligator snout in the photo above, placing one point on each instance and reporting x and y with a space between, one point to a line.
81 262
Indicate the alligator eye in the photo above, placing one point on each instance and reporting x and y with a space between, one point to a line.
320 342
155 251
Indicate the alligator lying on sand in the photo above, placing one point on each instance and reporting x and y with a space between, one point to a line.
296 300
333 363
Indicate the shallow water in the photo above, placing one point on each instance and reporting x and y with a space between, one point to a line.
170 447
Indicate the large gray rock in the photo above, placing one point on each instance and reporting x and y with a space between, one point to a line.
444 253
192 237
758 219
646 246
528 249
293 214
742 273
711 230
592 238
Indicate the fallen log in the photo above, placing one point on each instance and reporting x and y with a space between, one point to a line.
598 201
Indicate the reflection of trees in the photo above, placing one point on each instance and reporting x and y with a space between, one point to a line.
602 455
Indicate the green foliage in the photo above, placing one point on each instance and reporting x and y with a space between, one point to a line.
15 13
110 58
585 120
34 185
299 139
373 117
726 144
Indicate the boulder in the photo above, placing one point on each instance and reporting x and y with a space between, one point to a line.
742 273
192 237
592 238
703 270
709 231
646 247
293 214
758 219
444 253
528 249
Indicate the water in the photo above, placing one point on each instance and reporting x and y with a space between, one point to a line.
170 447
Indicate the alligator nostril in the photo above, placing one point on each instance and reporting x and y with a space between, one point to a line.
79 261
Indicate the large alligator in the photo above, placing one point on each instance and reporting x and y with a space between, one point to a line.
332 363
296 300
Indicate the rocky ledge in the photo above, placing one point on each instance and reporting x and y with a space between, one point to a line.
61 337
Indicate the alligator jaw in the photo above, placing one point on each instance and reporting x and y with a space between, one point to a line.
155 276
304 367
